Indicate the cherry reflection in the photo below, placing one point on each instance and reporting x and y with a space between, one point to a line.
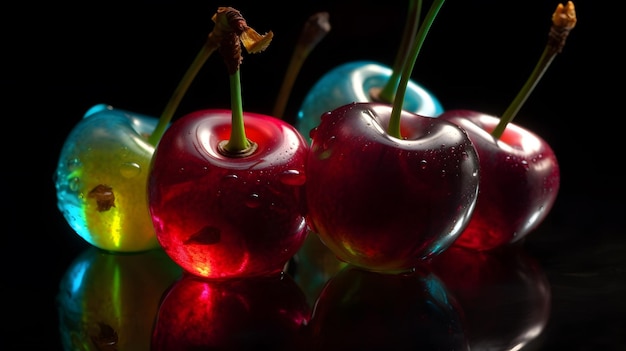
504 294
108 301
364 310
253 313
313 265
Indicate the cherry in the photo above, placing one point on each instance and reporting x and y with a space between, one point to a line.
384 202
387 188
219 215
225 188
101 179
520 175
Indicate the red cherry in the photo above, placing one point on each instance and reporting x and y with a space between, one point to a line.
519 172
519 181
221 216
385 203
234 314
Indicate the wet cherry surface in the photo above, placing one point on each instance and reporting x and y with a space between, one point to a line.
385 203
519 181
101 177
220 216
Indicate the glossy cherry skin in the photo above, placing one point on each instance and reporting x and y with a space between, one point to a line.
504 294
519 181
257 313
352 82
101 179
383 203
221 216
110 299
364 310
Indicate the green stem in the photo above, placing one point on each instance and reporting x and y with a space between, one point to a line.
236 33
407 70
544 62
181 90
238 142
388 92
315 29
563 21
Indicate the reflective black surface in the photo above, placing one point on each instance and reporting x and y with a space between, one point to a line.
61 59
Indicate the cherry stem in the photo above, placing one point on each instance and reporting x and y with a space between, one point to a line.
563 21
212 43
315 29
407 69
237 32
172 105
238 140
388 92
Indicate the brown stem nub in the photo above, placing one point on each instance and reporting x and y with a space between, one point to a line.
230 50
231 30
563 21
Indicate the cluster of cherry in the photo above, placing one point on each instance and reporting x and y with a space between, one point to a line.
228 193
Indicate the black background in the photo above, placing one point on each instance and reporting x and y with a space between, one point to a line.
60 59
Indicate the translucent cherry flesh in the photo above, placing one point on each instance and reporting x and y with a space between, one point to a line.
101 180
519 181
220 216
384 203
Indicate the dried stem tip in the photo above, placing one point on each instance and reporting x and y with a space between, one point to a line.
231 29
563 21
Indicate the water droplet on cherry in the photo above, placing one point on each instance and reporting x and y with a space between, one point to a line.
73 164
230 177
74 184
524 164
423 164
130 169
253 201
292 177
328 143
